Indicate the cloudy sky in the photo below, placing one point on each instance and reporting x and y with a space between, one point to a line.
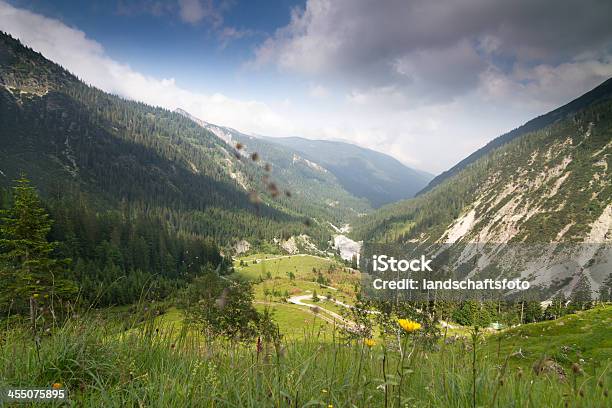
425 81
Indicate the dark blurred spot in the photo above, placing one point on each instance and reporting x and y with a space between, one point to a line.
254 197
273 190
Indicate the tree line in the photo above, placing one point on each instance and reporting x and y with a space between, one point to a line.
65 251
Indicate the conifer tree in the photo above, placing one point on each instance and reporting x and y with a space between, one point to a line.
581 295
29 274
605 290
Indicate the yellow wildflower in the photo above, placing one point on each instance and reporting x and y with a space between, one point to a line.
369 342
35 295
409 325
324 391
56 386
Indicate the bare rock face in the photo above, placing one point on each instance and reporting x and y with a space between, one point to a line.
347 247
290 246
300 244
537 207
241 247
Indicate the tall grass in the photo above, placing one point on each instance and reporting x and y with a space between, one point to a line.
102 364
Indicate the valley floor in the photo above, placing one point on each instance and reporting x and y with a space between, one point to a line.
119 358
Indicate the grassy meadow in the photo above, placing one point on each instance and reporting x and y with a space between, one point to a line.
278 278
141 357
162 365
279 269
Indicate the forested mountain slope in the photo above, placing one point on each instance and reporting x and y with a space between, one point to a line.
73 139
550 186
364 173
316 187
334 174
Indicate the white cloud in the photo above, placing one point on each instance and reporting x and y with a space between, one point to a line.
318 91
426 82
378 99
191 11
431 81
543 86
86 58
188 11
434 51
228 34
194 11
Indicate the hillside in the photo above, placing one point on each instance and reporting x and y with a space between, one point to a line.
317 187
150 362
335 174
75 140
602 92
574 337
364 173
550 187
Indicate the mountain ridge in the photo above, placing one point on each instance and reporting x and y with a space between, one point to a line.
67 135
602 91
361 172
544 198
380 178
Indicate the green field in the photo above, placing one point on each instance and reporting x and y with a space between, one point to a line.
145 355
326 304
273 285
102 364
260 265
297 322
584 336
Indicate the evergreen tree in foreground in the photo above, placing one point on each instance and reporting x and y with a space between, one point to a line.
31 280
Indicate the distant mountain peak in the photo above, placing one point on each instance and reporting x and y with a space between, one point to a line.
363 173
